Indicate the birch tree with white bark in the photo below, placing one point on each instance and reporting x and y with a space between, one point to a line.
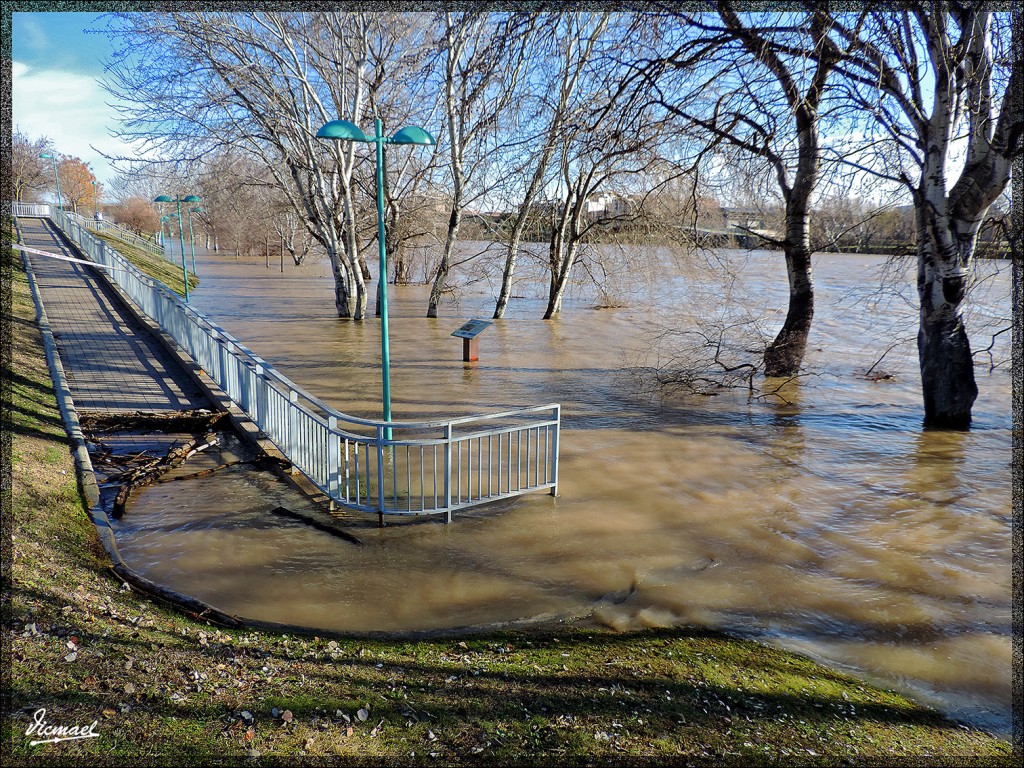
939 88
482 57
615 137
260 84
564 46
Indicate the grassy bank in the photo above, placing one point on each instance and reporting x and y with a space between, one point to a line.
153 265
166 689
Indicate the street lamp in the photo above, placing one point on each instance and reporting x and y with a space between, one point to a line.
181 235
164 220
343 130
56 179
191 237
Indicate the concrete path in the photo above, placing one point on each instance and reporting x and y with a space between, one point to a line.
113 364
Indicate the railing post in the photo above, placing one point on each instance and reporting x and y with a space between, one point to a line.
557 412
293 426
447 473
223 380
262 407
333 461
380 475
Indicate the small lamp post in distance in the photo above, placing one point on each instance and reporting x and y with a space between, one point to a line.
181 234
56 178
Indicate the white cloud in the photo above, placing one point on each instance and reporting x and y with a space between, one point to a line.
71 109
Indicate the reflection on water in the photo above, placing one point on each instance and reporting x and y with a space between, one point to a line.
825 520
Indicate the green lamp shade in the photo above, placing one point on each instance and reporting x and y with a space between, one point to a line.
412 134
341 130
162 199
191 199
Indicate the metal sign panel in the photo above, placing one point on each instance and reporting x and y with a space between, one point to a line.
471 329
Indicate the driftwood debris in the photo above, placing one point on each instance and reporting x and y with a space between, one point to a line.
171 421
145 468
153 471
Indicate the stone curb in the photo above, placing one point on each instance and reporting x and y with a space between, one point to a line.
86 476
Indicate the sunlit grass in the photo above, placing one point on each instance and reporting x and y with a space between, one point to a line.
151 264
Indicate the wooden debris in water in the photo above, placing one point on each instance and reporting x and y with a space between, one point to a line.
171 421
153 470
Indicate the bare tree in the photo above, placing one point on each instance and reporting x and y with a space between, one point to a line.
260 84
137 214
566 45
30 174
483 57
765 102
939 87
615 140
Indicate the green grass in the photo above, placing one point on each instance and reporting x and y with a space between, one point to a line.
153 265
170 690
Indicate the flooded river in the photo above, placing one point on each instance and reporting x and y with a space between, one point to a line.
820 517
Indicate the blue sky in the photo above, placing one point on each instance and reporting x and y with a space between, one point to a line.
55 91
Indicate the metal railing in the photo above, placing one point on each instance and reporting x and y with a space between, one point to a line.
30 209
115 230
391 468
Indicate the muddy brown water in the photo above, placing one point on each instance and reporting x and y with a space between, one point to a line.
824 520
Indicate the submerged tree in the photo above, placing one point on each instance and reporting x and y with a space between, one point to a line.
260 85
482 57
565 47
744 85
939 87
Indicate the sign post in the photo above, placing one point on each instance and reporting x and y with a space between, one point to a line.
468 334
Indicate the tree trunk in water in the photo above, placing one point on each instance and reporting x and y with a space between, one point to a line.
444 267
554 302
562 256
947 370
785 354
358 278
341 285
944 351
403 270
506 278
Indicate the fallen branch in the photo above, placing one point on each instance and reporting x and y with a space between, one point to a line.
171 421
154 470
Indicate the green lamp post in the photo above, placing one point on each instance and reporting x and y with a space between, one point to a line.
343 130
191 237
164 220
56 178
181 234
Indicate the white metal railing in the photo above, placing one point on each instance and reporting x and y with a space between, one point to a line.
396 468
126 235
30 209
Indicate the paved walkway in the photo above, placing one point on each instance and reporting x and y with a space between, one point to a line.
112 362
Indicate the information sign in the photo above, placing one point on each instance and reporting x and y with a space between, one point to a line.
471 329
